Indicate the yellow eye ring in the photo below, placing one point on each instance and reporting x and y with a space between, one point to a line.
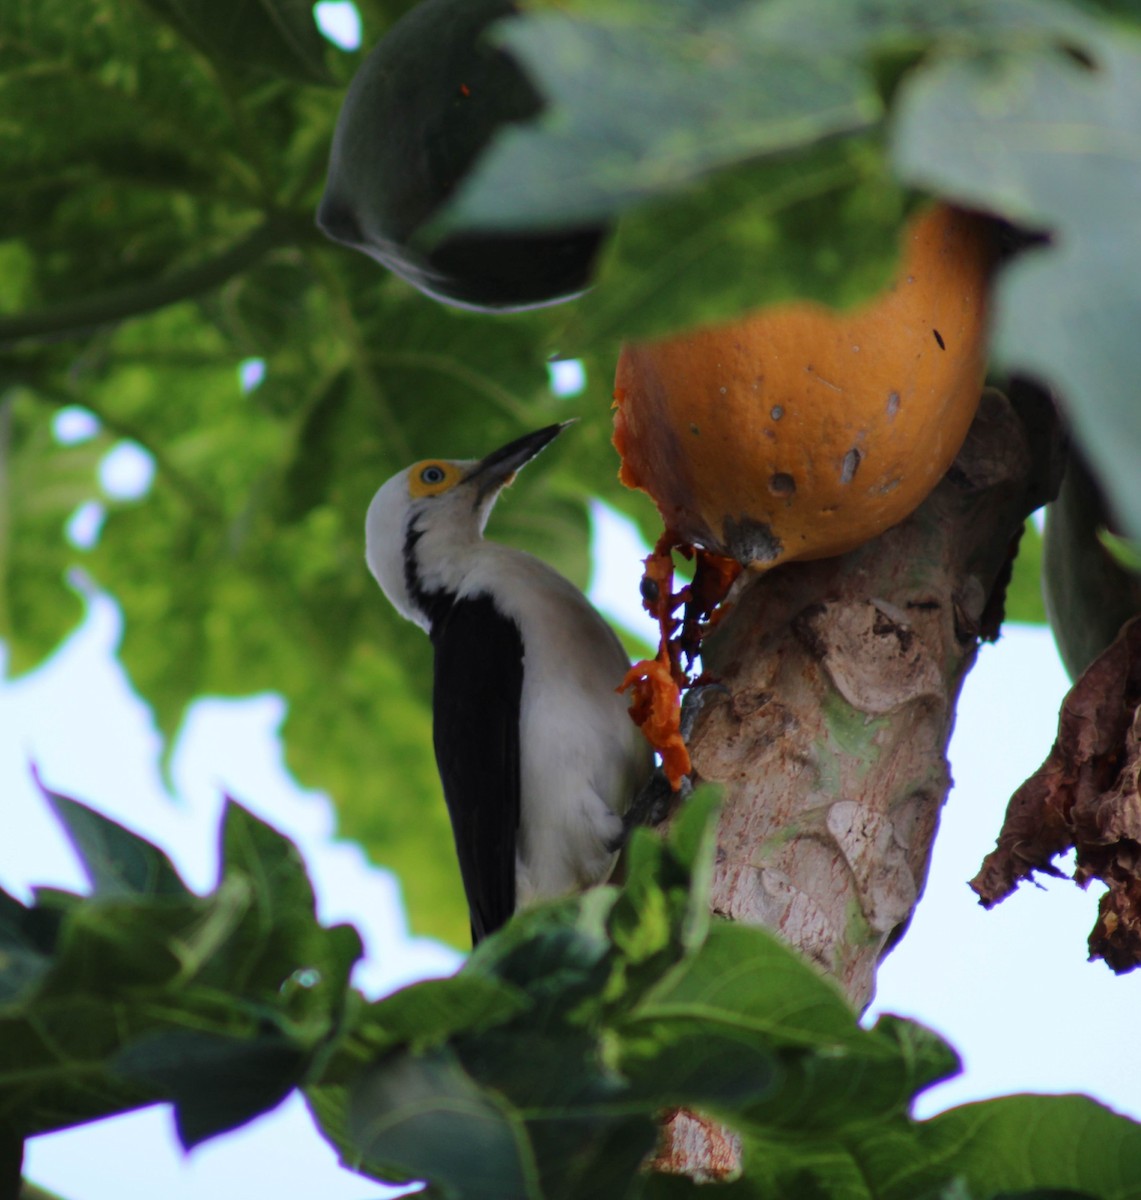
431 478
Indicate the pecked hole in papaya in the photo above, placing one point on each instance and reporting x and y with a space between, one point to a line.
751 541
782 484
750 435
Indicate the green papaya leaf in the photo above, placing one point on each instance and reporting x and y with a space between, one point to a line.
1067 1144
144 991
636 110
117 861
429 1012
743 986
1000 136
216 1083
425 1117
25 948
821 224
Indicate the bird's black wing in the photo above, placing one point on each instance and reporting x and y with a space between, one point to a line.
476 694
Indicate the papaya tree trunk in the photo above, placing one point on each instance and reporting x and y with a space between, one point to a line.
834 701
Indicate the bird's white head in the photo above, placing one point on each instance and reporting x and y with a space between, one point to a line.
424 524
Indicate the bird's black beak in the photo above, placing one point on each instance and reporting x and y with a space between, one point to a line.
496 470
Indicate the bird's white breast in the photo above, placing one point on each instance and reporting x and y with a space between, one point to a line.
582 757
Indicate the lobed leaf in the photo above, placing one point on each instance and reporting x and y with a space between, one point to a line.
1045 138
117 861
144 991
638 109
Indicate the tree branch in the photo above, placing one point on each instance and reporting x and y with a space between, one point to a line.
90 312
838 680
841 677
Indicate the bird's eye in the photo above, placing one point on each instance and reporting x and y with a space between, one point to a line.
432 475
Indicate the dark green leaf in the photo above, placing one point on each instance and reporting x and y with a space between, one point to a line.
216 1083
693 844
53 1062
274 37
279 954
822 224
11 1163
544 949
329 1105
117 861
1047 1194
1050 1144
743 986
430 1012
27 938
600 1159
146 992
425 1117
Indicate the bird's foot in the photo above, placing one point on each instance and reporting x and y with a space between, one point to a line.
651 806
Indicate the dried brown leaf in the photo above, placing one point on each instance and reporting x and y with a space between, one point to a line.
1086 795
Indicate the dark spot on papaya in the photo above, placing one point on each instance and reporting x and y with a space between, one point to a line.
850 465
777 412
782 484
939 339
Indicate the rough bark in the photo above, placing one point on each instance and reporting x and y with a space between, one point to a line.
829 723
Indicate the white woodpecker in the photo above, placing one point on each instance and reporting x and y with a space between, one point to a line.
538 757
